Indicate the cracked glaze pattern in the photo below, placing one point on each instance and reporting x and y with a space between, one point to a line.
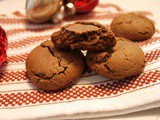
133 26
51 69
125 60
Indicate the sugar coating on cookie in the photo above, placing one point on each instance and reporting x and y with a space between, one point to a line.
51 69
84 36
133 26
126 59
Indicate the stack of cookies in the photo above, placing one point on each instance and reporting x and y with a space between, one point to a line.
56 64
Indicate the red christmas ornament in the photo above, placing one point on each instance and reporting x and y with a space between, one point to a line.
3 45
84 6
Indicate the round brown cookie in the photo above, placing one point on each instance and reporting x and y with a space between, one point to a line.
126 59
52 69
133 26
84 36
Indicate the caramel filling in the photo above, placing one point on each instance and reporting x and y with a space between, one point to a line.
87 42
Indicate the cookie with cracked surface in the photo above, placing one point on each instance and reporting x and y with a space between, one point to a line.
84 36
133 26
51 69
126 59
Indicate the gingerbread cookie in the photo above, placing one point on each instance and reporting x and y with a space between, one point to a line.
126 59
133 26
84 36
52 69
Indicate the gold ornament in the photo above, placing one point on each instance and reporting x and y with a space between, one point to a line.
58 17
39 11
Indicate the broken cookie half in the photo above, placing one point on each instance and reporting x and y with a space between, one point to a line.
51 69
84 36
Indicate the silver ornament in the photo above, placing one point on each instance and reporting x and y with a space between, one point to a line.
70 9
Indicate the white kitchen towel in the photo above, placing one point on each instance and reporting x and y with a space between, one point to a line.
92 95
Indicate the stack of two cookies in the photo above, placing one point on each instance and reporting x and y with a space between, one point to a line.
54 66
